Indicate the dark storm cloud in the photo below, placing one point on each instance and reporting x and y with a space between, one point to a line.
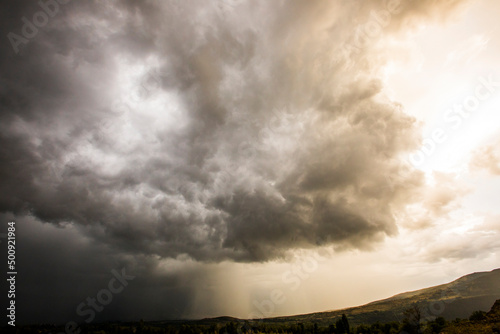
61 269
248 130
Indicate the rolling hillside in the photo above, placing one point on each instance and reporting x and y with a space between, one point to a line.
457 299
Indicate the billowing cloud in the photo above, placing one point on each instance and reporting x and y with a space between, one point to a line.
230 131
175 138
487 158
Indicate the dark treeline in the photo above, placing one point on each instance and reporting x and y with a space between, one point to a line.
478 322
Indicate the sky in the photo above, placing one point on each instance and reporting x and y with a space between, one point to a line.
189 159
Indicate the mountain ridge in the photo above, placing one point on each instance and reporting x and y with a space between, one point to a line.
477 291
456 299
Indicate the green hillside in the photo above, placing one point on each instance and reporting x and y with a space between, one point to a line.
457 299
490 324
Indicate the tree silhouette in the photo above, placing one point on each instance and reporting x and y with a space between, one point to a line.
477 316
437 325
342 325
412 318
345 322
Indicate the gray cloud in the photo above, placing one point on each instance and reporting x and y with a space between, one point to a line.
61 269
246 133
458 247
134 132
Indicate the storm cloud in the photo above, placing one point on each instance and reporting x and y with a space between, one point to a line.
182 139
230 130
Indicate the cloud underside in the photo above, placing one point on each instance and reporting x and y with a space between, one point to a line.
214 131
